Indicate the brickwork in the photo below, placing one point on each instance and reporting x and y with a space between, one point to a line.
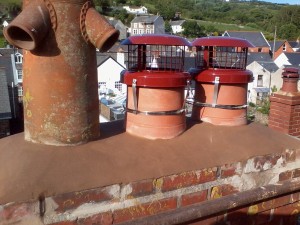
122 203
285 114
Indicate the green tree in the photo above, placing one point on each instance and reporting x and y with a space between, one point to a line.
288 32
166 9
193 30
168 27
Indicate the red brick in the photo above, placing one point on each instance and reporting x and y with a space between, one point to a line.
99 219
193 198
203 221
296 173
188 179
263 217
289 209
17 211
286 175
142 188
143 210
65 223
74 199
281 201
222 190
230 170
237 217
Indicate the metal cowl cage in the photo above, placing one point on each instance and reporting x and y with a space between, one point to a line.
221 80
156 82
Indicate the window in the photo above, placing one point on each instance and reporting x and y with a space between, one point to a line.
20 91
20 74
118 85
135 25
259 80
259 50
284 47
134 31
141 31
18 58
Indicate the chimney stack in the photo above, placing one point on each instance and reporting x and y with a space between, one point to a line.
285 105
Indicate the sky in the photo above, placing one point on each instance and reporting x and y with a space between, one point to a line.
291 2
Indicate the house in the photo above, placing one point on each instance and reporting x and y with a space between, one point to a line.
256 38
279 47
117 24
136 9
177 26
265 76
147 24
109 79
288 59
12 60
8 63
295 45
5 109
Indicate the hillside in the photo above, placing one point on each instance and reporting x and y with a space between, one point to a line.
214 16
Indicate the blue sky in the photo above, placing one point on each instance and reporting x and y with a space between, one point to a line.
291 2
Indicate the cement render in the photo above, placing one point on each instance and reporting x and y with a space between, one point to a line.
29 170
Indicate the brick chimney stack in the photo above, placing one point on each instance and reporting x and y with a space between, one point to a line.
285 105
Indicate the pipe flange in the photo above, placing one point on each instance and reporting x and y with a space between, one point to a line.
83 13
52 13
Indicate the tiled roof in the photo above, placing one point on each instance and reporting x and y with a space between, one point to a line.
5 62
5 110
294 58
264 59
294 44
177 22
256 38
144 19
277 44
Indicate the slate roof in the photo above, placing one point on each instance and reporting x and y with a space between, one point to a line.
294 44
5 109
277 44
144 19
177 22
5 62
256 38
293 58
264 59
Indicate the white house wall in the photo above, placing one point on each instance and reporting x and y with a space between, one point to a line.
109 72
257 69
281 60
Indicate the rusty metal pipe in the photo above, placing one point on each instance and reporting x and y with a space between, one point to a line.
221 205
29 28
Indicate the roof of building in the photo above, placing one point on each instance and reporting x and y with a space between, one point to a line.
119 158
264 59
256 38
6 63
5 110
145 19
177 22
293 58
294 44
278 44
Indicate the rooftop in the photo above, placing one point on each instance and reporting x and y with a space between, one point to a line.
34 169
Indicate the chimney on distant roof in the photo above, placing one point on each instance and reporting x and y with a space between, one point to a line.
285 105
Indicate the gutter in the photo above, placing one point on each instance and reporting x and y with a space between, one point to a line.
221 205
